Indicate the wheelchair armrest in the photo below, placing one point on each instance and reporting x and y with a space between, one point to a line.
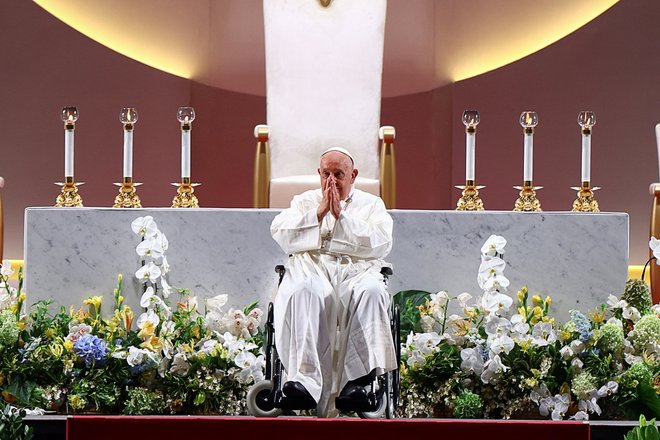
280 269
386 271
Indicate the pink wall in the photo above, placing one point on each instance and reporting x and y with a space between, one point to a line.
610 66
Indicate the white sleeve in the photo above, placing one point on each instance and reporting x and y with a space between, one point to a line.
297 229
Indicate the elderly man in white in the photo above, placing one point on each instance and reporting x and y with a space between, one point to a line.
331 310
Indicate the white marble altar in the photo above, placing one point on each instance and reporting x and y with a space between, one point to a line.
73 253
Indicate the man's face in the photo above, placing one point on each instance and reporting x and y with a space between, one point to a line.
337 167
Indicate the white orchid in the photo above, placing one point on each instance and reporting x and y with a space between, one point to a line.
608 389
631 313
149 272
543 334
149 299
463 299
502 343
519 326
5 269
494 245
251 367
493 368
144 226
472 360
180 364
149 318
166 288
77 331
490 267
496 302
615 303
580 416
654 244
496 325
151 248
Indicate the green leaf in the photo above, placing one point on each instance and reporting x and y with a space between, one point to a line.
200 398
21 389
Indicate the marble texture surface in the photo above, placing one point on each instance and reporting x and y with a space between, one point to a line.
71 254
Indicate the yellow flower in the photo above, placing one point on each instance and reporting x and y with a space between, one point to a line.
547 301
2 378
128 316
76 402
461 327
68 344
525 345
49 333
522 312
598 317
536 299
56 350
21 297
521 296
565 335
153 343
21 325
195 331
531 382
93 301
147 330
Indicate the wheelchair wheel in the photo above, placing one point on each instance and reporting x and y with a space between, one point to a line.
259 401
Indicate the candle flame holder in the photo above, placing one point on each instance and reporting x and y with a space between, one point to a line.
185 197
527 201
585 201
69 197
127 197
470 200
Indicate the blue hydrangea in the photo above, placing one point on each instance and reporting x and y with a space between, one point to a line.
91 349
582 325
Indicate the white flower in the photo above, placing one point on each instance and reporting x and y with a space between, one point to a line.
137 356
580 415
589 405
519 326
415 359
162 240
608 389
490 267
543 334
149 317
150 299
149 272
472 360
496 283
251 367
577 364
615 303
78 330
235 345
216 302
180 365
566 353
164 265
150 247
5 269
463 298
439 300
496 325
496 302
167 289
492 370
144 226
494 245
654 244
631 313
501 344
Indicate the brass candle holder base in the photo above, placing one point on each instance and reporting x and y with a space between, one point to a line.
527 201
69 197
185 197
585 201
127 197
470 200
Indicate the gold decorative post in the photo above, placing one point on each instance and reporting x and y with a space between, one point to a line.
127 197
387 134
585 201
185 197
69 196
470 200
527 201
261 189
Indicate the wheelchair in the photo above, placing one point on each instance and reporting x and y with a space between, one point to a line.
266 399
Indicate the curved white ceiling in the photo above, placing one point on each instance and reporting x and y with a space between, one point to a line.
428 43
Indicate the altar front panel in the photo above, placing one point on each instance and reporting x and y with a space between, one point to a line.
73 253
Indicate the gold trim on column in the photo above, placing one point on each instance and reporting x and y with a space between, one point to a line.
325 3
388 168
654 269
261 189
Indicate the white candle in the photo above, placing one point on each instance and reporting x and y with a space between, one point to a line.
185 153
128 152
469 154
68 152
586 156
528 157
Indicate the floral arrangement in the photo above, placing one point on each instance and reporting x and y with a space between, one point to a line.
500 356
171 359
506 357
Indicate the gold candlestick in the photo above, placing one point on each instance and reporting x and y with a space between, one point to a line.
585 201
470 200
127 197
185 197
69 196
527 201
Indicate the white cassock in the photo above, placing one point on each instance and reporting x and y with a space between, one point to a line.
331 310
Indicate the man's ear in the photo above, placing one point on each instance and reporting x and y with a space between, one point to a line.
354 174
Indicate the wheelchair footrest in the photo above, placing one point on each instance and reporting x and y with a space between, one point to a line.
347 404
